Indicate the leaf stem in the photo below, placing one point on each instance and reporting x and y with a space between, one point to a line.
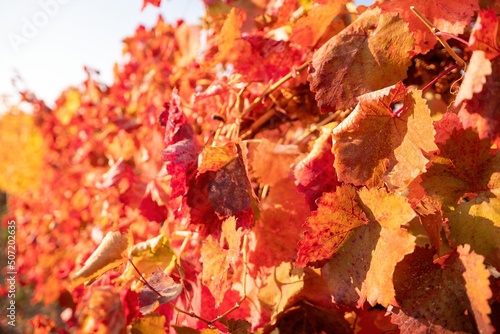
191 314
438 34
273 87
401 110
143 279
448 70
446 34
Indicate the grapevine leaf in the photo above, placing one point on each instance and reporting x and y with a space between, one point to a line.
355 61
181 164
315 174
477 223
149 255
163 284
448 16
305 318
484 34
445 126
308 29
477 103
363 267
217 260
477 286
101 310
272 162
372 145
185 330
337 217
280 287
177 127
435 295
217 195
230 32
374 321
151 323
431 217
155 3
109 254
275 244
238 326
214 158
464 165
391 212
182 148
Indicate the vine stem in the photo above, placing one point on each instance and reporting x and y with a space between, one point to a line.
448 70
273 87
191 314
438 35
194 315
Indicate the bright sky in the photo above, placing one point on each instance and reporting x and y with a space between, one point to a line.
49 41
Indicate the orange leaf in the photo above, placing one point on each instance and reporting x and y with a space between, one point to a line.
214 158
373 146
337 217
230 32
272 162
431 217
363 267
217 259
309 29
216 195
477 285
356 61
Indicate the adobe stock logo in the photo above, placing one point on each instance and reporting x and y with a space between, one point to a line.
30 26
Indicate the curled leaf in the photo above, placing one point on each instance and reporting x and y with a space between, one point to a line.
109 255
165 290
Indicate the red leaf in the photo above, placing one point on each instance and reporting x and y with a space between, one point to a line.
182 148
485 33
177 127
181 159
152 2
451 16
218 194
476 101
464 165
315 174
284 207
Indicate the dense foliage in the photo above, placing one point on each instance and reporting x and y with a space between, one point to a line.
288 166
